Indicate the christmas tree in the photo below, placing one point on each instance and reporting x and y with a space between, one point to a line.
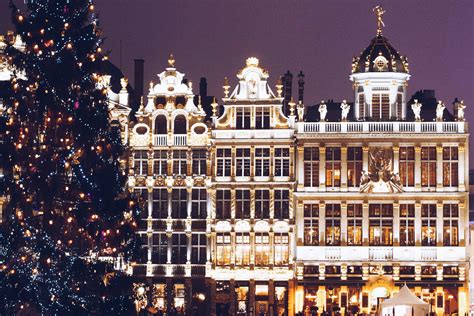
62 171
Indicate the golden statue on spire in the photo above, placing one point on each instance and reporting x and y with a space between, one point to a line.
171 61
379 11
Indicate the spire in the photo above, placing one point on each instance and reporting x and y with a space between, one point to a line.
171 61
379 11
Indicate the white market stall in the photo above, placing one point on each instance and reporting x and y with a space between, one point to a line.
404 303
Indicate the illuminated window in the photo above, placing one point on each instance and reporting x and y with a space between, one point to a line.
282 162
380 106
380 224
262 249
282 204
242 203
354 224
262 204
242 162
199 162
407 166
450 166
407 224
198 251
362 106
242 117
450 225
262 162
428 167
399 105
311 166
281 248
333 167
223 202
354 166
179 162
428 224
160 162
333 224
160 203
223 248
141 162
159 252
242 249
224 162
262 119
199 204
311 224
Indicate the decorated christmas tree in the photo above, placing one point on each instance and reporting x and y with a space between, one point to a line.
63 175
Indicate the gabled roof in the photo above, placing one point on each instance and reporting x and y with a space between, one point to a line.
405 297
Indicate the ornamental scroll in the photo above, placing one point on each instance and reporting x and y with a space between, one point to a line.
380 178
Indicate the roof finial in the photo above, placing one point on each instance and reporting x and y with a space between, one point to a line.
379 11
171 61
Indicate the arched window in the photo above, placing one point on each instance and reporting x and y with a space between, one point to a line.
180 125
161 126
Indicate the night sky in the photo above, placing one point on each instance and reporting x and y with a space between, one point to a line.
212 38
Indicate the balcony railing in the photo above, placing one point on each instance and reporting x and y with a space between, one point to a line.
176 140
180 140
160 140
381 127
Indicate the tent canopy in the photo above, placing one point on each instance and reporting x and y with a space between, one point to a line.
405 297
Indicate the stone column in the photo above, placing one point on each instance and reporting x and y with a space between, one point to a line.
272 162
233 164
439 168
344 168
417 223
299 223
299 165
365 157
463 223
292 165
365 223
396 223
252 296
439 223
418 167
322 223
322 168
396 159
343 223
271 297
232 298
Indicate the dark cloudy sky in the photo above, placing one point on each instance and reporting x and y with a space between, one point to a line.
212 38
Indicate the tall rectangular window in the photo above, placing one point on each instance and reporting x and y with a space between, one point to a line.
428 167
380 106
311 166
242 162
311 224
160 162
141 195
198 251
160 203
199 204
354 166
262 204
380 224
223 249
407 166
282 162
281 242
242 203
223 202
243 115
361 106
399 105
199 162
242 249
282 204
450 225
159 252
179 248
333 167
262 162
262 249
407 224
224 162
333 224
179 162
179 204
262 119
354 224
140 161
428 224
450 166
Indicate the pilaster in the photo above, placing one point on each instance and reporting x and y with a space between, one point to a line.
343 223
439 168
344 168
396 222
322 168
418 167
461 167
417 223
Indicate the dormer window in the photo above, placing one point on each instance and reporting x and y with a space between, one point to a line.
262 118
242 118
380 63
